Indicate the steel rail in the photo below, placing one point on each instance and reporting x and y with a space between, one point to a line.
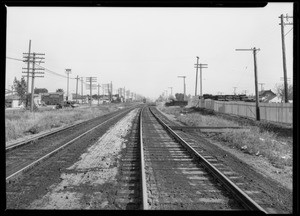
143 173
241 196
36 162
43 135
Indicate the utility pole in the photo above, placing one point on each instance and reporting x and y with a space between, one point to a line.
254 50
196 75
171 90
261 86
81 79
183 85
28 66
77 78
124 95
234 90
68 71
201 66
91 80
32 57
282 23
111 91
98 92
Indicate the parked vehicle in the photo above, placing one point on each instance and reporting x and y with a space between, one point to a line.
66 104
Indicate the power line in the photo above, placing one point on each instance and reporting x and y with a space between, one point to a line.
46 69
288 31
15 59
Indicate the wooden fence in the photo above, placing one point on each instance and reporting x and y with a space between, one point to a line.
276 112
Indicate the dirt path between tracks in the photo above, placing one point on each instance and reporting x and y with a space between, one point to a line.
97 166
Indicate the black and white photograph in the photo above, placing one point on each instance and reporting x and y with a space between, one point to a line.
150 108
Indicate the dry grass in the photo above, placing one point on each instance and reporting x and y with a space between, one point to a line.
195 119
258 143
253 142
21 123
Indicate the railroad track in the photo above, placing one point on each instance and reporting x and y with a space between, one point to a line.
157 170
176 176
25 155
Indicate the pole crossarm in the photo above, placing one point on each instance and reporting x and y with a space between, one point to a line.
34 53
247 49
286 24
32 76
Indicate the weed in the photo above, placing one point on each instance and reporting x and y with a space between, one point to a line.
20 123
254 142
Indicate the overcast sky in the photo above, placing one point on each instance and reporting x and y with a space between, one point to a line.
145 49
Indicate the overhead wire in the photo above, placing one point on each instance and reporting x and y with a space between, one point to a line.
46 69
50 71
289 31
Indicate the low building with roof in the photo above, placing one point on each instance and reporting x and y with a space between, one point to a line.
12 101
52 98
266 95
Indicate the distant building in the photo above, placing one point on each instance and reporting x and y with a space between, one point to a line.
70 97
80 99
37 99
266 96
52 98
12 101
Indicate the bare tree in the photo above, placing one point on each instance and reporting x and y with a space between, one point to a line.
59 90
279 90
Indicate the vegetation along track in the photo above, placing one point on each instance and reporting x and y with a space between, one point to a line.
177 177
25 156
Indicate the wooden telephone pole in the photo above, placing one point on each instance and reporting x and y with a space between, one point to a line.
68 71
91 80
196 75
33 58
254 50
98 92
81 79
77 78
201 66
28 66
282 23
